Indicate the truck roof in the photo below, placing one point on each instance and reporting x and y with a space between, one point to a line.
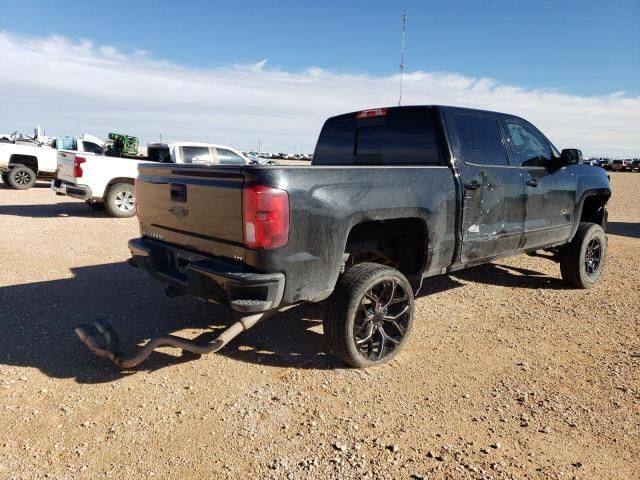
408 107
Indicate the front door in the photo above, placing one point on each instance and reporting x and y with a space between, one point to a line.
550 190
493 197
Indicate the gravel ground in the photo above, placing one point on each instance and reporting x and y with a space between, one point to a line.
508 373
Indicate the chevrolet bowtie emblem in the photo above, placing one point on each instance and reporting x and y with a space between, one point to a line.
179 212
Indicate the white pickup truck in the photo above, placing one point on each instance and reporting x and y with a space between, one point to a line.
22 163
107 182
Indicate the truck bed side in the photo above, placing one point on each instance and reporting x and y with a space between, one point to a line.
200 208
98 171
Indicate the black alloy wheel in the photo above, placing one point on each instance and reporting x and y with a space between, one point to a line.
370 315
382 320
593 257
582 260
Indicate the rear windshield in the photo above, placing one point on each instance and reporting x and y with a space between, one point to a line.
404 136
159 154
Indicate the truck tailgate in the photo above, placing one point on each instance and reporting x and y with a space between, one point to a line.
197 208
66 166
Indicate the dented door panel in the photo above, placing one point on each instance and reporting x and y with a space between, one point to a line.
493 191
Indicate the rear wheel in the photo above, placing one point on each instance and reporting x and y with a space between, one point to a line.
119 200
370 316
21 178
582 260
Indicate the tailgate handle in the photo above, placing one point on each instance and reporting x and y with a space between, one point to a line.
178 192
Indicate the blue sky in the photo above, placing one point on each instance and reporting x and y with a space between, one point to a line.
240 73
583 47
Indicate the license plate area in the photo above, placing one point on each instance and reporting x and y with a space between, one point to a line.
173 264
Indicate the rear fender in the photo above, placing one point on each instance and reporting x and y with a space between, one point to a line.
29 161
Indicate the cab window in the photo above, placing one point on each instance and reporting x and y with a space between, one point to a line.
480 140
529 147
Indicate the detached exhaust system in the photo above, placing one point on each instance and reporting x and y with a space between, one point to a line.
101 339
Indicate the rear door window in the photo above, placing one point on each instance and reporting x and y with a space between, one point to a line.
480 139
227 157
197 155
401 137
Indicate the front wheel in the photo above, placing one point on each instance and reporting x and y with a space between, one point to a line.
582 260
119 201
370 316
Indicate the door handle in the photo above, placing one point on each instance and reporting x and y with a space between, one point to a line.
532 182
473 185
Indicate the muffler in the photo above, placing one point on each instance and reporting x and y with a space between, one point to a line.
101 339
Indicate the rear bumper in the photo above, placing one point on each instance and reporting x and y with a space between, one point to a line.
70 189
207 277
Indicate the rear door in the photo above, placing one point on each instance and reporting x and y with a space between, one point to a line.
550 191
493 197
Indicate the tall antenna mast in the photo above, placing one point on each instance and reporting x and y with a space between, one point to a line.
404 29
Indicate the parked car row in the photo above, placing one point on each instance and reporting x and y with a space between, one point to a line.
280 156
618 165
87 172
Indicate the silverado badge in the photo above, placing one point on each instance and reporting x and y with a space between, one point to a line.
179 211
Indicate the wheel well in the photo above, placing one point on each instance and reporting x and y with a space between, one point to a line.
113 181
593 210
399 243
27 160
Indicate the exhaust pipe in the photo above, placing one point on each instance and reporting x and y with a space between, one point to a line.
101 339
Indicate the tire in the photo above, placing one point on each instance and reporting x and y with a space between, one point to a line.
354 315
582 261
21 178
95 205
119 200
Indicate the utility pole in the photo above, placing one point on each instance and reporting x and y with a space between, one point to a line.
404 29
259 145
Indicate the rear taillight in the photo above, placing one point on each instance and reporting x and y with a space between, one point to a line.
376 112
77 168
265 213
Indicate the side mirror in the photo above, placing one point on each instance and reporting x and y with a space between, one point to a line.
571 156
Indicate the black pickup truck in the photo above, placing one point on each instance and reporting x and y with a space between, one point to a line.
393 196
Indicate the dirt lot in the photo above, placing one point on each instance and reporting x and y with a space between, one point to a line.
508 373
